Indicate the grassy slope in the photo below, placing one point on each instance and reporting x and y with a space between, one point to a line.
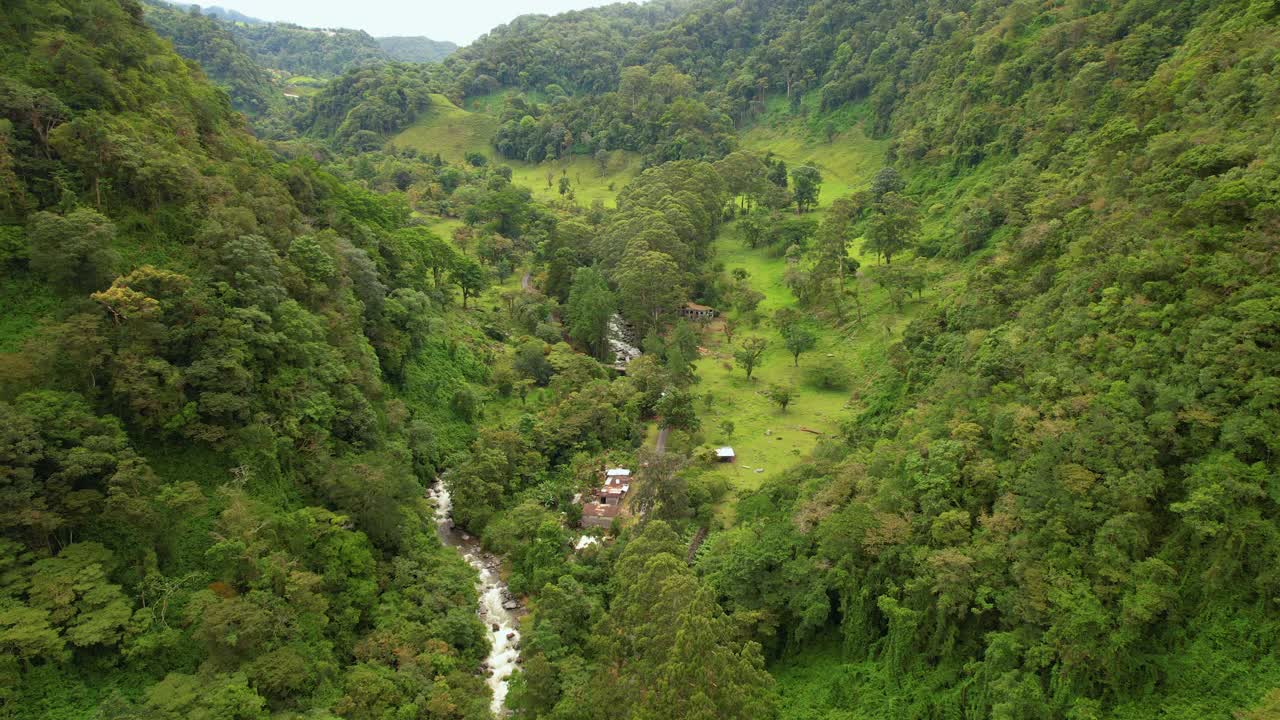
847 163
453 132
588 181
449 130
861 349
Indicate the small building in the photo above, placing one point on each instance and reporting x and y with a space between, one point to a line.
694 311
725 454
601 507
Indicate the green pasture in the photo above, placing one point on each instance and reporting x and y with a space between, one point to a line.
449 130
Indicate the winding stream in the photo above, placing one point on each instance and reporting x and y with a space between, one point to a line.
498 610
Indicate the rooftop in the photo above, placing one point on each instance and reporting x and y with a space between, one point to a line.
595 509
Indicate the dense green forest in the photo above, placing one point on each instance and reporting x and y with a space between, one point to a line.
226 377
221 41
996 342
416 48
210 44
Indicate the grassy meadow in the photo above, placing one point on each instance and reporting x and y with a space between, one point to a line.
449 130
847 162
764 437
588 180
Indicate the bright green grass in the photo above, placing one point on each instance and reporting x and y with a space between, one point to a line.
303 86
859 348
444 226
588 182
449 130
492 103
301 91
847 163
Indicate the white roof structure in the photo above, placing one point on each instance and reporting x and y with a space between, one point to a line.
724 452
617 472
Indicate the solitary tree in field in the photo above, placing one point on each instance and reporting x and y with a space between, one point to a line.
798 339
726 429
781 395
728 327
748 356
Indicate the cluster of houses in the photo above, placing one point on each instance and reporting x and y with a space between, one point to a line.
601 506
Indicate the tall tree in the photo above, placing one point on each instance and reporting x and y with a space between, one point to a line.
650 285
673 650
806 182
748 355
469 276
591 306
798 339
893 226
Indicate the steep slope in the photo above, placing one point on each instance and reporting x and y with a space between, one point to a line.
208 42
316 52
220 394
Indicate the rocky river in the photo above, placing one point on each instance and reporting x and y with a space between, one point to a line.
498 609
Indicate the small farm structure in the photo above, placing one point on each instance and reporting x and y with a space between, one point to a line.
694 311
601 507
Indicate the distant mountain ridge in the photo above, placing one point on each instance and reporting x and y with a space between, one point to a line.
298 50
227 14
417 48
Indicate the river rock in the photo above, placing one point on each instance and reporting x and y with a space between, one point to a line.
496 627
510 605
511 636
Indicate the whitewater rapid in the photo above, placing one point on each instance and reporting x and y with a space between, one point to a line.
497 608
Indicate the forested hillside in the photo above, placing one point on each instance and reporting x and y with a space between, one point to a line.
210 43
416 48
224 381
309 51
234 49
980 296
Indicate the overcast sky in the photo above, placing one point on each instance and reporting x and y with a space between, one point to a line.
458 20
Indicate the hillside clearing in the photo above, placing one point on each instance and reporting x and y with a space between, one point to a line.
449 130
